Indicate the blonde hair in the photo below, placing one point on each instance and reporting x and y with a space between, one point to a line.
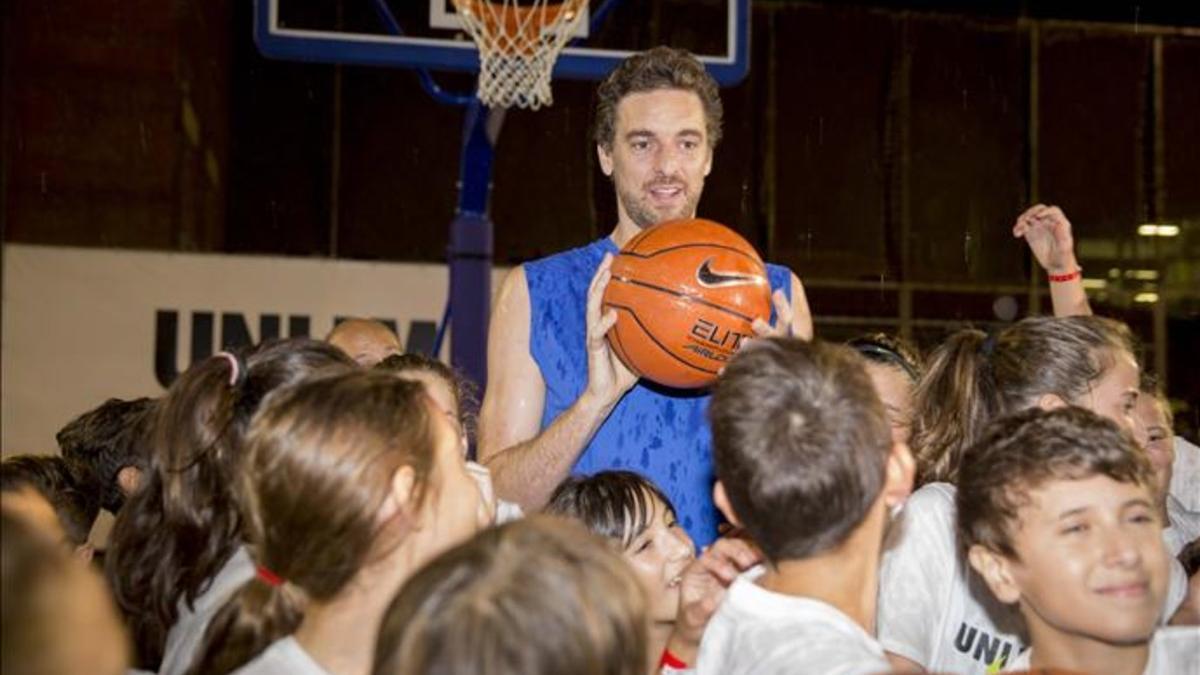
973 378
539 596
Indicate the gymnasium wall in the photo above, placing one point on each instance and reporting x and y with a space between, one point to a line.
81 325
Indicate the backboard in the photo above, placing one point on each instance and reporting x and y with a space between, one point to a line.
426 34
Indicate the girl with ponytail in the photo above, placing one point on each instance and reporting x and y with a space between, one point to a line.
350 484
934 613
176 545
1047 362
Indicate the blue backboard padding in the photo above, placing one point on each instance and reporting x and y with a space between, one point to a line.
385 50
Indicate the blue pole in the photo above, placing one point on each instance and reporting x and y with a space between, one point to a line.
471 248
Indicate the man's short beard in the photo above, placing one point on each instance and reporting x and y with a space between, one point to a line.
645 217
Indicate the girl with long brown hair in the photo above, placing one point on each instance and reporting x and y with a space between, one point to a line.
175 550
350 484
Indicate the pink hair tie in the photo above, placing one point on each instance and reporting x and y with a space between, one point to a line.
234 369
269 577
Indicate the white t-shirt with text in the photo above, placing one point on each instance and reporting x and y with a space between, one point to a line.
933 609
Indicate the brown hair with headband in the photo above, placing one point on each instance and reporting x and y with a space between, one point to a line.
973 378
320 462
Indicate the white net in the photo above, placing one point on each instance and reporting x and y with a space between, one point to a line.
518 42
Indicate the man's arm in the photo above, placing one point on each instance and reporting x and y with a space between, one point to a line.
526 466
1048 233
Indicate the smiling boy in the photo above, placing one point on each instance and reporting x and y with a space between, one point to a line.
1058 513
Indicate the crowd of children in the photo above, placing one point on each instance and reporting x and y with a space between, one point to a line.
1017 501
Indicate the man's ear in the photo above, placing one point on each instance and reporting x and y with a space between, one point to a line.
708 162
1051 402
722 501
128 479
898 480
996 571
606 159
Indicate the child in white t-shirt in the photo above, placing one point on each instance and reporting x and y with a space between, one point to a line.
932 614
1059 513
805 463
970 631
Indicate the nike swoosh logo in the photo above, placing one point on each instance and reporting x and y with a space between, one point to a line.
710 278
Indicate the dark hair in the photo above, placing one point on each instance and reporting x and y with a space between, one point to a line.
973 378
104 440
538 596
653 69
613 504
1019 452
1189 557
463 389
890 350
800 443
183 524
319 463
50 477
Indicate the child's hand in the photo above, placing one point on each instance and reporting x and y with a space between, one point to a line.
702 589
1048 233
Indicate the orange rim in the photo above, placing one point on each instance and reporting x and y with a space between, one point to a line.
514 29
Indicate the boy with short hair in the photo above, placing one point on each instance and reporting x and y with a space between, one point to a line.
107 448
1059 514
806 464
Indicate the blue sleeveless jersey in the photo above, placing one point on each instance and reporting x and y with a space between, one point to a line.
661 434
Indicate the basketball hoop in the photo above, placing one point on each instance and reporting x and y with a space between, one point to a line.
518 44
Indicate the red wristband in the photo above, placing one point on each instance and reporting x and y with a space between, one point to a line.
669 660
1059 278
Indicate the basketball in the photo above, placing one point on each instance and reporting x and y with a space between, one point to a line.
686 294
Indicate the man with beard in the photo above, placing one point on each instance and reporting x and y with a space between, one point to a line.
558 399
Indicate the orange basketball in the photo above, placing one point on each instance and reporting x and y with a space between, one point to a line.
686 294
